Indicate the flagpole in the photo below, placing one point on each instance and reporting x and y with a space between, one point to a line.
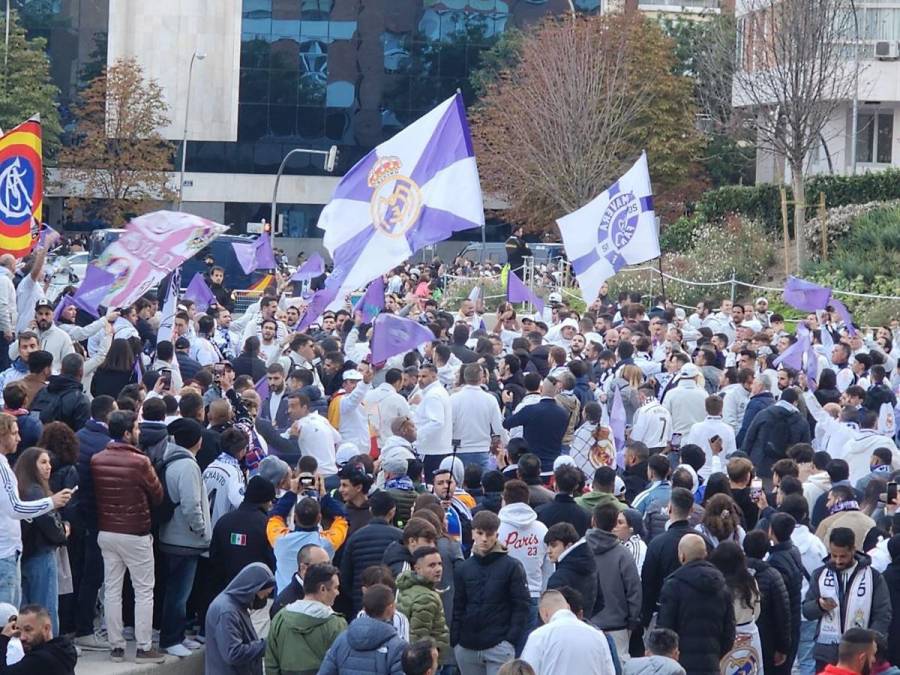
662 279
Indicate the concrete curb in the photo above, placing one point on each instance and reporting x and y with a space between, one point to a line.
98 663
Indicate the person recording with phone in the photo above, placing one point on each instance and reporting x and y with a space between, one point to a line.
43 653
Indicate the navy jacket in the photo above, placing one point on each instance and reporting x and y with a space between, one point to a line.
578 570
364 548
92 438
282 420
543 427
770 434
563 509
755 405
368 647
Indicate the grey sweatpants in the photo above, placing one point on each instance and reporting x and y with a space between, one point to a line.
483 661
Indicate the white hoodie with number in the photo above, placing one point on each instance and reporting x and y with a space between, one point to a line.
522 534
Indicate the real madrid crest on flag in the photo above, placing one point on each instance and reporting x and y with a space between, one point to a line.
21 188
616 229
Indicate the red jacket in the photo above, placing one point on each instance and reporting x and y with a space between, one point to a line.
126 486
837 670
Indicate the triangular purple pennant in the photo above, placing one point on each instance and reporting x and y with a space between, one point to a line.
262 388
246 256
313 267
372 302
392 335
792 357
318 303
199 293
93 289
265 257
805 295
516 291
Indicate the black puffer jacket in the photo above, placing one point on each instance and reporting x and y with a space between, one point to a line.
787 560
490 602
63 400
563 509
774 620
661 560
364 548
578 570
771 433
891 577
397 557
696 604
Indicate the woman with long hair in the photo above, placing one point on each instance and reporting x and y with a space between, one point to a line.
627 380
721 521
41 537
116 371
730 560
630 531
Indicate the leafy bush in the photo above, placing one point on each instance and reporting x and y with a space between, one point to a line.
840 220
869 252
676 236
763 202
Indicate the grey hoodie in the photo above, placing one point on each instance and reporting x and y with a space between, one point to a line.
653 665
190 530
619 584
232 645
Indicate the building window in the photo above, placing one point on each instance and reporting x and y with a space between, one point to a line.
875 137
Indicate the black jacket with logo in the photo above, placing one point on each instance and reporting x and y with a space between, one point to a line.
238 539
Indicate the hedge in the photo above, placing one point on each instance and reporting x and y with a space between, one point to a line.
763 202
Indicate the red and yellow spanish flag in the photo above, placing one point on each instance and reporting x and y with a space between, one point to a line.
21 188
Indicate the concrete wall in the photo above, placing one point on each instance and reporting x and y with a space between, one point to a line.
163 35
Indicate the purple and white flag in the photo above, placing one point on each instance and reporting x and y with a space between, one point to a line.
415 189
392 335
372 302
312 268
170 308
516 291
198 292
257 255
93 289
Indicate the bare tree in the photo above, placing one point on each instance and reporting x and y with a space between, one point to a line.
794 73
585 96
119 157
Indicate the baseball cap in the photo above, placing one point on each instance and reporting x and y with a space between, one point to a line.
554 297
689 370
43 303
352 374
619 489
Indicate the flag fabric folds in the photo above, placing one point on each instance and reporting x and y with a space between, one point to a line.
392 335
415 189
21 188
616 229
312 268
151 247
198 292
93 289
372 302
516 291
809 297
257 255
170 307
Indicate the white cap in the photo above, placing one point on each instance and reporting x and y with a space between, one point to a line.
680 313
352 374
562 459
554 297
759 300
619 488
689 370
345 452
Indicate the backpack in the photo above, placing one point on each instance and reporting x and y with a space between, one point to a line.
163 513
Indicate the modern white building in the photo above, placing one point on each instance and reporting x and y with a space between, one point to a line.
878 126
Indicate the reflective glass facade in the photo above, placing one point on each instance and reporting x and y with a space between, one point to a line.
321 72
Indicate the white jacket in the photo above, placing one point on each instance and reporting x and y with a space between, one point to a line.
735 404
354 427
224 483
57 342
434 421
812 552
565 645
687 405
523 536
476 417
859 452
383 405
8 311
700 434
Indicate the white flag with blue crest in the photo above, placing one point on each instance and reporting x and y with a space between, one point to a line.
616 229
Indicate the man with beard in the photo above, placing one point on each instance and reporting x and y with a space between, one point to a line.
224 297
43 653
52 338
577 347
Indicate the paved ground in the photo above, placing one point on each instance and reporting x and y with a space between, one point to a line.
98 663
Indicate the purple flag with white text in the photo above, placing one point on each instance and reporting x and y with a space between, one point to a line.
392 335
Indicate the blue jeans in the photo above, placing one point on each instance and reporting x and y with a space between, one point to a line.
481 458
806 664
10 581
179 570
40 584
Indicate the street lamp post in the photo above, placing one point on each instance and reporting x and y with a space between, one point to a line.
855 122
330 158
196 56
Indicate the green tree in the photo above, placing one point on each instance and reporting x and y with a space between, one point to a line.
26 89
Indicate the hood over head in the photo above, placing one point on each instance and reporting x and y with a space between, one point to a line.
248 582
601 541
368 634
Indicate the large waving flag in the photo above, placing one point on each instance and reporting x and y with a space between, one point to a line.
21 187
616 229
415 189
809 297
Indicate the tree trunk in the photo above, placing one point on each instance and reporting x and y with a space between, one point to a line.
798 184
